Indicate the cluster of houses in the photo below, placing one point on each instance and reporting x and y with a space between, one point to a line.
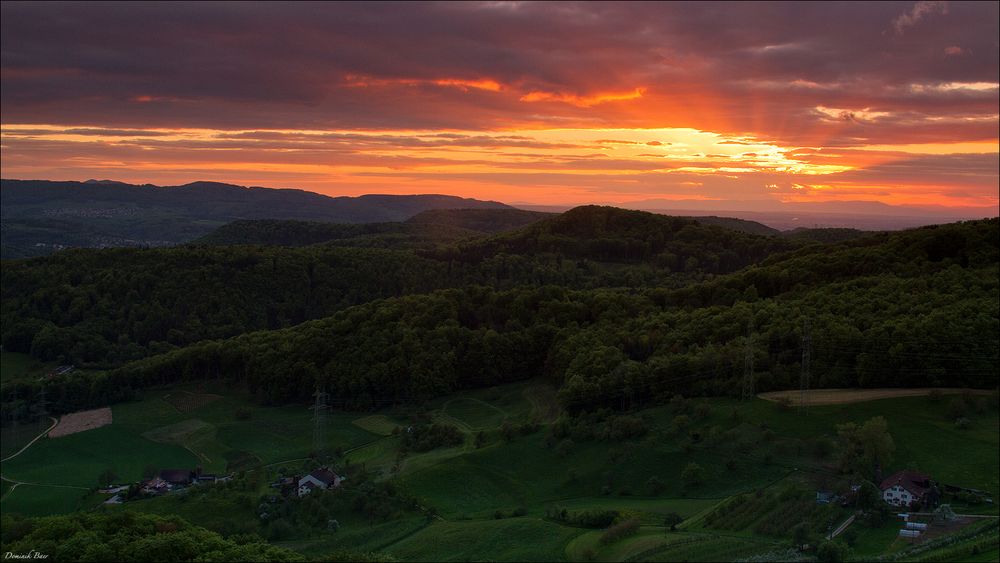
165 481
320 479
172 479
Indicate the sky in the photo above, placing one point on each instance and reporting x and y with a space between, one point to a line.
545 103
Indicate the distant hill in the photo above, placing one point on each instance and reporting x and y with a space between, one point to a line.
278 232
481 220
614 235
826 235
40 216
425 229
742 225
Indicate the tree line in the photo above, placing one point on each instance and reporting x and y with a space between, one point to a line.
104 308
911 309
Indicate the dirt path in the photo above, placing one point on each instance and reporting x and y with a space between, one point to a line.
19 452
816 397
36 438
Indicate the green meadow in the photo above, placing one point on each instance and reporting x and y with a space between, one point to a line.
492 497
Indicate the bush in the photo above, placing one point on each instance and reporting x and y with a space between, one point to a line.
681 422
584 518
619 531
957 408
625 427
831 551
564 448
655 485
425 438
693 474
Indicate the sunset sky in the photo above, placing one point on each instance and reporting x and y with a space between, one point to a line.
546 103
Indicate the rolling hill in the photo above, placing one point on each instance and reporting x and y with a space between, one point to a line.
39 217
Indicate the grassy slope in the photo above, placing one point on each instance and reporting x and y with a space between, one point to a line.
925 438
270 435
467 485
514 539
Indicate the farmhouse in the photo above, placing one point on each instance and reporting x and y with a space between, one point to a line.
176 476
320 479
156 486
906 488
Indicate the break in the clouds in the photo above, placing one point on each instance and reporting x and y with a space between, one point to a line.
545 102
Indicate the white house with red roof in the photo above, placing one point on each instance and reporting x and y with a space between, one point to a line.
905 488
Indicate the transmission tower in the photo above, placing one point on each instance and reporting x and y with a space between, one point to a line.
319 409
806 352
748 379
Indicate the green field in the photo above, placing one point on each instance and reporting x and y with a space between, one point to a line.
654 544
515 539
36 500
492 499
153 432
379 424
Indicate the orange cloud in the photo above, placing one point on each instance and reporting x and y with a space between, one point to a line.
354 80
582 101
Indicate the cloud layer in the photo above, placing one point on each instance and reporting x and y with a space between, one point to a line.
418 95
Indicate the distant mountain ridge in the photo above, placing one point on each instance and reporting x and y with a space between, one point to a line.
40 216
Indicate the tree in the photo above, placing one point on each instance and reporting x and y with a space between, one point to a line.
106 478
865 447
693 474
655 485
868 496
800 535
671 520
832 551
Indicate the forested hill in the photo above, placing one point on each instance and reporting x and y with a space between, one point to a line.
481 220
743 225
41 216
106 307
304 233
614 235
908 309
424 230
825 235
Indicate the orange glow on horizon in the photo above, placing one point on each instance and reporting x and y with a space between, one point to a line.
542 166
